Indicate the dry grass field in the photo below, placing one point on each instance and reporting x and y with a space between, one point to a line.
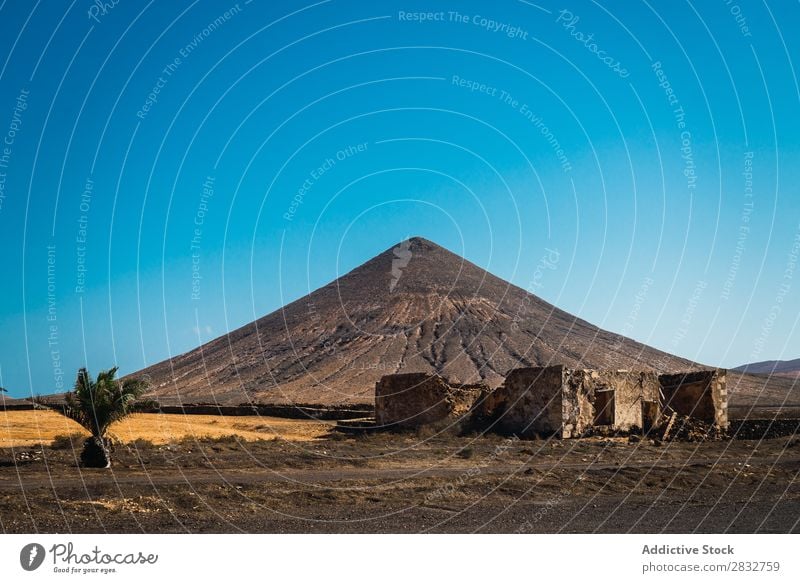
29 428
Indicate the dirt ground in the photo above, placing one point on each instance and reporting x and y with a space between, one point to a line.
29 428
412 482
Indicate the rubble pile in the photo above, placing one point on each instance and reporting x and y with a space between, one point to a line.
685 428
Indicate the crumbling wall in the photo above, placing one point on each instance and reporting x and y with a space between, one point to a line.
465 398
719 392
625 391
490 407
699 394
577 404
631 390
413 400
565 402
531 401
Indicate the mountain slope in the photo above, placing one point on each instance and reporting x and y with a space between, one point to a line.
783 368
414 308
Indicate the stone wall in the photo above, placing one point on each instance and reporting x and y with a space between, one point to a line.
699 394
565 402
413 400
530 401
624 393
578 410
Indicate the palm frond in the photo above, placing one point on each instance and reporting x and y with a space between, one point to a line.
97 404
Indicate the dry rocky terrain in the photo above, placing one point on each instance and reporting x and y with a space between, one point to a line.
407 482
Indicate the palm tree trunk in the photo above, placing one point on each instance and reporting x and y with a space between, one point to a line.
96 453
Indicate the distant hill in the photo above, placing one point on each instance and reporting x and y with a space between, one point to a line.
7 402
784 368
416 307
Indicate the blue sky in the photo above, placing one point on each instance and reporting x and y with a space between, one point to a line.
178 169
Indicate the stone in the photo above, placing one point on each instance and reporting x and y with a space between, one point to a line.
413 400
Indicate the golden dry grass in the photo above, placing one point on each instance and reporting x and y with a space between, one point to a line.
28 428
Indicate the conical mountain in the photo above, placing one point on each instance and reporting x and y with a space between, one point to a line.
416 307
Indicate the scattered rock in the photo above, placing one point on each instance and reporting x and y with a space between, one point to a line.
685 428
27 457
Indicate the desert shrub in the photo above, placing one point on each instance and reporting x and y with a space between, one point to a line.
358 462
466 453
232 441
338 436
201 440
68 441
425 431
232 438
140 444
368 436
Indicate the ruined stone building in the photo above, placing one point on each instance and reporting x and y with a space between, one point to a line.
558 400
554 400
699 394
415 399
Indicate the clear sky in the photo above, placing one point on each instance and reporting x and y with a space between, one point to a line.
173 170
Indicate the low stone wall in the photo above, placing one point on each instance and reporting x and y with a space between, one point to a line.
18 406
285 411
763 428
413 400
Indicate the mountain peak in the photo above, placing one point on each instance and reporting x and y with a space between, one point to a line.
416 307
417 245
415 265
423 244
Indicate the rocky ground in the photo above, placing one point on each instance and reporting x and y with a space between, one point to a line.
412 482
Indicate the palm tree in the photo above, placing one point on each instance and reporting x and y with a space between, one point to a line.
96 405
